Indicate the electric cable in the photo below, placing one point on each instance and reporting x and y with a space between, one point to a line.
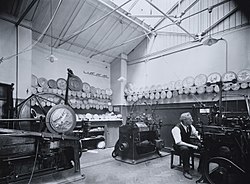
34 165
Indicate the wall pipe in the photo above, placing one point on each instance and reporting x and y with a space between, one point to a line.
170 53
17 67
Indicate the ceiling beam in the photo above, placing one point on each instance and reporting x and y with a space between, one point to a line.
147 16
168 13
171 33
133 39
205 9
177 24
125 16
70 21
95 22
26 12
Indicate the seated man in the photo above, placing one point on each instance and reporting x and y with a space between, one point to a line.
181 134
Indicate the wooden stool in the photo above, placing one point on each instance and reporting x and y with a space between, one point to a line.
173 152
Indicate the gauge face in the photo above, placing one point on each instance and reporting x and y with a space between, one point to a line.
60 119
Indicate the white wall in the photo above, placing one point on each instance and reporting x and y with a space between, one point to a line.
191 62
41 67
24 62
7 48
8 67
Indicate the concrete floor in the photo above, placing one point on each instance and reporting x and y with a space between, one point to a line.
99 167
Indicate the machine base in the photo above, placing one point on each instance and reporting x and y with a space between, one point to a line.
144 158
59 177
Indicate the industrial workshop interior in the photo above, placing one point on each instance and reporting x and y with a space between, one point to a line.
124 91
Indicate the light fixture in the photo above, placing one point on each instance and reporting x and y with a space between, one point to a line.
210 41
51 57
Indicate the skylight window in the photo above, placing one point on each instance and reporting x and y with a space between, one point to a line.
142 10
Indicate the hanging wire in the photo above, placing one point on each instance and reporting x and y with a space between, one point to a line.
51 28
29 47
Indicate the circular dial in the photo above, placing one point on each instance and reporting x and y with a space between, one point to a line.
60 119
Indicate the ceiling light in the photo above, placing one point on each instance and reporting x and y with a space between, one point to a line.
210 41
52 58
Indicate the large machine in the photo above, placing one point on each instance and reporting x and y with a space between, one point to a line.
37 144
225 151
139 139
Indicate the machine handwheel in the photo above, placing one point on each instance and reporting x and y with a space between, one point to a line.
220 170
37 106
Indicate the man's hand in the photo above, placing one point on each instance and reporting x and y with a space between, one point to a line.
195 147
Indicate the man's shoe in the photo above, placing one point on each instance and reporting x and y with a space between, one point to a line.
187 175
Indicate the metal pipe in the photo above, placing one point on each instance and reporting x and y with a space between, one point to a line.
205 9
22 119
84 29
220 20
149 16
17 66
133 5
171 19
189 7
226 53
176 51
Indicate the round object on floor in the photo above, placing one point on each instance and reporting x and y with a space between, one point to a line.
101 145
